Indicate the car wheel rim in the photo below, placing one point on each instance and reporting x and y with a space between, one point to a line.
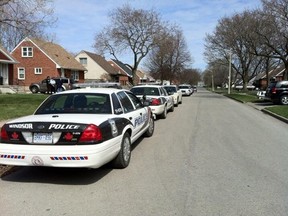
151 125
126 149
285 100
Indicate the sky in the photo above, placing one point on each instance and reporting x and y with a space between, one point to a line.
79 21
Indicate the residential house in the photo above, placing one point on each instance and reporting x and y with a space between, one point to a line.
38 59
275 74
144 77
98 69
125 73
6 67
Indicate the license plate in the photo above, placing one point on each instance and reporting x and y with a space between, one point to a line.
43 138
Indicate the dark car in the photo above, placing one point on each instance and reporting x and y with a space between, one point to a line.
42 86
277 92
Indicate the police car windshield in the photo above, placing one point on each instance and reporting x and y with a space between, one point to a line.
84 103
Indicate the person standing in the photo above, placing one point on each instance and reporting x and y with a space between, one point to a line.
59 84
48 85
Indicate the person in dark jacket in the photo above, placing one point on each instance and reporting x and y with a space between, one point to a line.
59 84
49 90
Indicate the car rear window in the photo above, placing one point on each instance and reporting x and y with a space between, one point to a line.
170 89
184 87
145 90
76 103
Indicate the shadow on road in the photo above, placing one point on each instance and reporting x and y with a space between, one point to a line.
55 175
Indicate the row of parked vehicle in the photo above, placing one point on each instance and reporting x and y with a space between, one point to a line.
162 99
86 127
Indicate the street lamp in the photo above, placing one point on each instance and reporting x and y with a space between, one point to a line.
212 80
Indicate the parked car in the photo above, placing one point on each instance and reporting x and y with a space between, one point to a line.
175 92
194 88
277 92
157 98
186 89
42 86
78 128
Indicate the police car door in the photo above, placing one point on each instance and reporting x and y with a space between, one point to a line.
168 98
134 110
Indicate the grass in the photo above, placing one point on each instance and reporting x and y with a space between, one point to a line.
250 96
245 98
279 110
17 105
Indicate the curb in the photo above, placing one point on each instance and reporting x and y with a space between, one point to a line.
275 115
281 118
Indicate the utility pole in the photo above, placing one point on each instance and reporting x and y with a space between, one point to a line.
229 76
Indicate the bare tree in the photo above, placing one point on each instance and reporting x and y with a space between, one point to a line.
220 73
170 56
232 38
132 30
21 18
272 32
190 75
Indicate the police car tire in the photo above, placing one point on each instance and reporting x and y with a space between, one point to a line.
150 129
176 105
164 114
172 108
123 158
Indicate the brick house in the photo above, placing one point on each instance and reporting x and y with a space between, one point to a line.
6 66
97 68
38 59
276 73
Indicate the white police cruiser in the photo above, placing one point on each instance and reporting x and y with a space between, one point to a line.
157 97
78 128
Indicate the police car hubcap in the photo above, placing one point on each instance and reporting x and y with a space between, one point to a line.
126 149
151 126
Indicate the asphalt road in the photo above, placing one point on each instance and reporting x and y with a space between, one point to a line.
212 156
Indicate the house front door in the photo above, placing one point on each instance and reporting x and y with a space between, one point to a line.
3 74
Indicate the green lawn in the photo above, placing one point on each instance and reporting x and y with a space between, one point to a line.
250 96
16 105
279 110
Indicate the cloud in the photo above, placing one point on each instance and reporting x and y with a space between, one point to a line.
79 21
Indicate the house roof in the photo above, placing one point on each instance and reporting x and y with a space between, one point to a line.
58 54
125 69
274 72
102 62
5 57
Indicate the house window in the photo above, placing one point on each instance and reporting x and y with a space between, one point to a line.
38 70
21 73
75 75
83 61
27 52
